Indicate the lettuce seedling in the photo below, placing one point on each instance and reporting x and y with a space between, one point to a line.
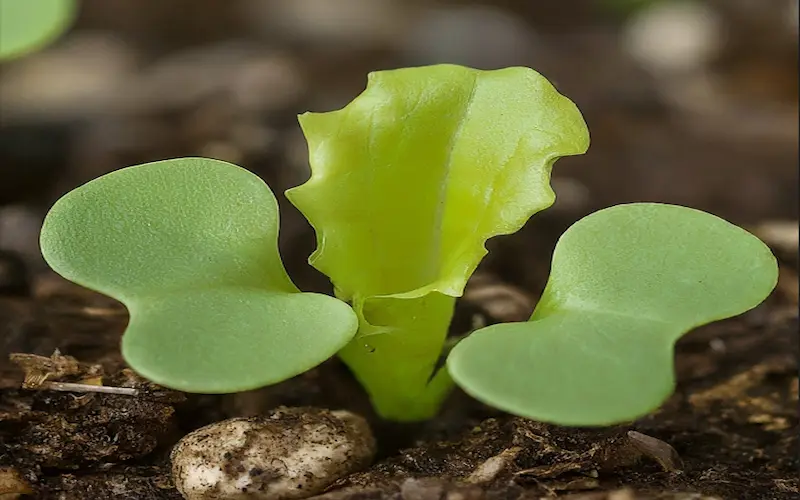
626 283
408 182
28 25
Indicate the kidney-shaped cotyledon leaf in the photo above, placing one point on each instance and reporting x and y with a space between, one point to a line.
626 283
190 247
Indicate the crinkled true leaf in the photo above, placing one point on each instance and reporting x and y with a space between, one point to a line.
26 25
626 283
190 247
408 181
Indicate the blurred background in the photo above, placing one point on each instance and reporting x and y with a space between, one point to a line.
688 102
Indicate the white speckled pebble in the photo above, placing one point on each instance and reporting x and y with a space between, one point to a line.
291 453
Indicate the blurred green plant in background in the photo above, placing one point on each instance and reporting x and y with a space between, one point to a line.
29 25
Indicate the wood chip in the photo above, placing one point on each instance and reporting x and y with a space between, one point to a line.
12 484
658 450
501 301
492 467
779 234
39 369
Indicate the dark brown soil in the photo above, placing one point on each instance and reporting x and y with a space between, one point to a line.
732 422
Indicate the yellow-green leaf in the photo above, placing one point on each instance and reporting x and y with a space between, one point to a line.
408 182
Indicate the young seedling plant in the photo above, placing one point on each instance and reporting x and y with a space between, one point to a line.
28 25
407 183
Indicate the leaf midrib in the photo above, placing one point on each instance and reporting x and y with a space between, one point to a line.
435 260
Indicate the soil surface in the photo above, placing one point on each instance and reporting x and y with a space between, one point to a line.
729 432
181 80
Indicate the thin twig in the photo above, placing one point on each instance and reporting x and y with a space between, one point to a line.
71 387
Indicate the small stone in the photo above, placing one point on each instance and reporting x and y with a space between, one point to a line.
675 37
783 235
291 453
501 301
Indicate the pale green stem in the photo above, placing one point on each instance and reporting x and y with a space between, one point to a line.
396 351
